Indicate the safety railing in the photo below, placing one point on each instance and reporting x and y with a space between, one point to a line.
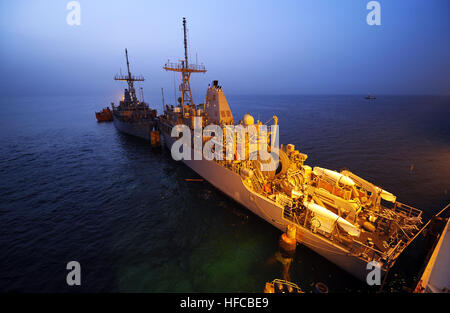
126 77
409 211
360 249
181 66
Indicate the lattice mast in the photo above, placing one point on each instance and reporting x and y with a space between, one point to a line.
186 70
130 79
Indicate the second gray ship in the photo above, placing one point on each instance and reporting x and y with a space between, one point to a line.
132 116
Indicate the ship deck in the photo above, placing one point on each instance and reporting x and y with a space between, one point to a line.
436 276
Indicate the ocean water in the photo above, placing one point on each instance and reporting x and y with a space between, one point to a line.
74 189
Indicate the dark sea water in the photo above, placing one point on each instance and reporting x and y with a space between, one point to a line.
73 189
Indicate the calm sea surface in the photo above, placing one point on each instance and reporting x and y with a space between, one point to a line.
73 189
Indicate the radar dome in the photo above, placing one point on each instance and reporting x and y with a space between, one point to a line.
248 120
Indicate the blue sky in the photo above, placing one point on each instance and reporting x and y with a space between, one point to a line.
251 47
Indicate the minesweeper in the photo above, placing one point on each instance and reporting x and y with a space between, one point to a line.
132 116
339 215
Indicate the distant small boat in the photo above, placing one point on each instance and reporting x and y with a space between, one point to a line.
369 97
104 115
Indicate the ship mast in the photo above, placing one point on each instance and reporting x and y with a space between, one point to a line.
186 71
130 79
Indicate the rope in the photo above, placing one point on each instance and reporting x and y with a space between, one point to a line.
268 120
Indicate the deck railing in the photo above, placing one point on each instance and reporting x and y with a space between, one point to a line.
357 248
180 66
409 211
126 77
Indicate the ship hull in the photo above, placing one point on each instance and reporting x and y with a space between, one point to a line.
139 129
231 184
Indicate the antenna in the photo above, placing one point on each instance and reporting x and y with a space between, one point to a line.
162 93
189 42
186 70
128 63
174 90
142 94
185 43
130 79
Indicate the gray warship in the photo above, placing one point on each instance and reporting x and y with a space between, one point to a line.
341 216
132 116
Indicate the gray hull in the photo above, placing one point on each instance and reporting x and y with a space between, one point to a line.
137 129
231 184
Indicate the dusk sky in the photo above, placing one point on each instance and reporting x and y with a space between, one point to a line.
251 47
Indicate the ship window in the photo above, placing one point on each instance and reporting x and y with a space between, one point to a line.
223 114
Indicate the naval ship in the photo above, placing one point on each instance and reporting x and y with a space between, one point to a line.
132 116
369 97
341 216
